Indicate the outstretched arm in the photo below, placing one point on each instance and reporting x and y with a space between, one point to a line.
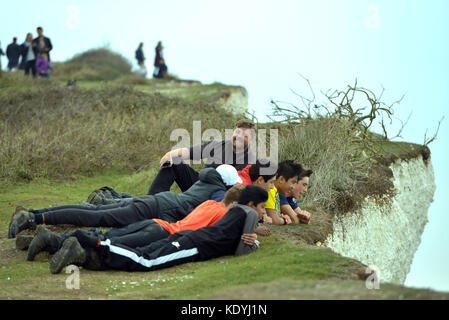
248 235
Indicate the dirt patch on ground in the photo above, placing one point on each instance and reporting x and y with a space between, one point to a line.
321 225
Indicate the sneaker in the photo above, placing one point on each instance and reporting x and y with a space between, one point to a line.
20 221
70 253
23 241
44 240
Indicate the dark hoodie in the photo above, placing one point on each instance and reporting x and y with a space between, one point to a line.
173 206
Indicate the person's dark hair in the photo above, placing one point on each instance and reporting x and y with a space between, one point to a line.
288 169
305 173
40 28
14 39
245 123
254 194
255 172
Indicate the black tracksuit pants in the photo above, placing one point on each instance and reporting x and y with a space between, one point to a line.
170 251
181 173
114 215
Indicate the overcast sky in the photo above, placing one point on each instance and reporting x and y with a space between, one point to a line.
400 45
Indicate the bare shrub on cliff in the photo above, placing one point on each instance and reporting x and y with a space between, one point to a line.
335 140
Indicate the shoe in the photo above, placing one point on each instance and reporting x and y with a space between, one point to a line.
20 221
96 198
44 240
18 209
23 241
70 253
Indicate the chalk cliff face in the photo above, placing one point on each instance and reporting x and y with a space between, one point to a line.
236 101
387 236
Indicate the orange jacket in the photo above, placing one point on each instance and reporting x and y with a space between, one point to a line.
206 214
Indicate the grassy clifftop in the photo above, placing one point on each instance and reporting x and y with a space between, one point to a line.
58 144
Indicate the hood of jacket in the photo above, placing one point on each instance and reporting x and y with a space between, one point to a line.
211 176
175 207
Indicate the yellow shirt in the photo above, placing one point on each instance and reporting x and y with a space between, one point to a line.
273 201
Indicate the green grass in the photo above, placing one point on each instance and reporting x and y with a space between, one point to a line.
281 263
105 131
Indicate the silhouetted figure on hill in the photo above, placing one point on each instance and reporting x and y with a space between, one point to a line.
13 54
140 57
160 68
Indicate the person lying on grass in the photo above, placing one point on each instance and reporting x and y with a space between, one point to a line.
288 203
168 206
232 235
286 177
137 234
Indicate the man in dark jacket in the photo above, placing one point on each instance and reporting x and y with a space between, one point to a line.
168 206
13 54
43 44
237 152
233 234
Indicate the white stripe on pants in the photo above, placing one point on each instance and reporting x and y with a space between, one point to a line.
146 262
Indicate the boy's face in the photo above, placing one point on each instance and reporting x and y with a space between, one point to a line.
268 185
260 208
285 186
300 188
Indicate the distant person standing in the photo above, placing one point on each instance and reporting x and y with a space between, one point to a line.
42 43
13 54
141 60
139 55
29 55
160 68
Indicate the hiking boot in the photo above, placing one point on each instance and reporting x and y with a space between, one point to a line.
44 240
18 209
20 221
23 241
70 253
96 198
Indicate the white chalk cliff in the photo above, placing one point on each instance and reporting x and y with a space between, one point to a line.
387 236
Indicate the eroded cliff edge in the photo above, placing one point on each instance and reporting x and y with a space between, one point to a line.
386 234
